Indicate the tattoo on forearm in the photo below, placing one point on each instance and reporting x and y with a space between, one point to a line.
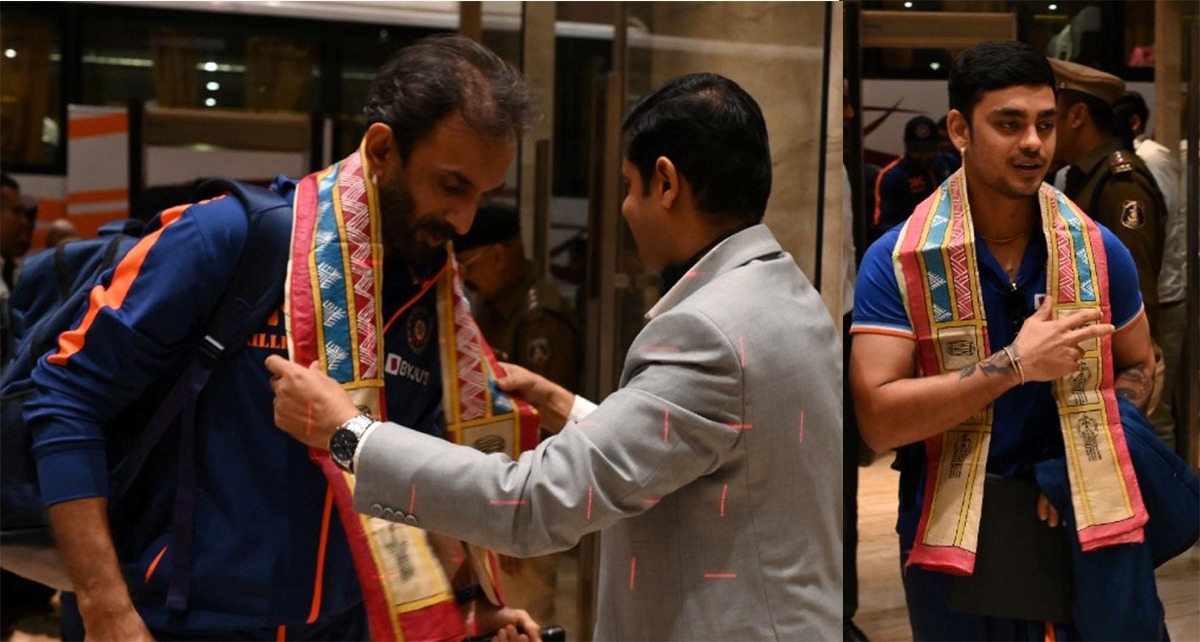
1136 384
996 365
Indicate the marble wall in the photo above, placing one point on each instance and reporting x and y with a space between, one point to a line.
776 51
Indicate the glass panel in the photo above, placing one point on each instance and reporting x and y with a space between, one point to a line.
31 128
1117 37
180 59
364 49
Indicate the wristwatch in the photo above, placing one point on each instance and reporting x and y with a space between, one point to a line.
343 443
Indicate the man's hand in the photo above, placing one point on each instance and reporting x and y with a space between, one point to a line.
552 401
1046 511
103 620
505 622
308 404
1050 348
81 531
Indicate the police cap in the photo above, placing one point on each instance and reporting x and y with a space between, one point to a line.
1081 78
920 134
493 224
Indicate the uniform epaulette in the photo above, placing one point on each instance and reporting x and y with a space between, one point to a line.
533 304
1120 161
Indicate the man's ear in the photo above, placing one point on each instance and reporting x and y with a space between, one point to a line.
1077 114
668 181
957 128
380 146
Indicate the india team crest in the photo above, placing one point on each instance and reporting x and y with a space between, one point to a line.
420 322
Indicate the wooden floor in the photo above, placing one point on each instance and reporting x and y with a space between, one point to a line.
881 612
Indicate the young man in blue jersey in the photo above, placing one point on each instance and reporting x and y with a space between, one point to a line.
271 557
988 328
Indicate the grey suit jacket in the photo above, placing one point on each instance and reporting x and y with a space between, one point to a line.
714 471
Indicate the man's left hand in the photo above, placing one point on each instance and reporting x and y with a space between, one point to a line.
308 404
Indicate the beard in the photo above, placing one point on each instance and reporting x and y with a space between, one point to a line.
401 226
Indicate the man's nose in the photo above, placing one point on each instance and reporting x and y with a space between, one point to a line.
460 218
1032 139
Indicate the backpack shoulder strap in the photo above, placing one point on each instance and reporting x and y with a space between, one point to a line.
255 291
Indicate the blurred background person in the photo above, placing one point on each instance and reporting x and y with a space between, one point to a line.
1130 118
911 178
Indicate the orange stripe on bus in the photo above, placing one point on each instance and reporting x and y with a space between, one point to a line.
97 126
113 296
98 196
154 564
316 603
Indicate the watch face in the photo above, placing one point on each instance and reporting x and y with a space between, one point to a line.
342 446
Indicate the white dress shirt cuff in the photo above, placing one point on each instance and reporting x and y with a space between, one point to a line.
580 409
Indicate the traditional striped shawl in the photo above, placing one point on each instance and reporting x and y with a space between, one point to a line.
333 316
937 269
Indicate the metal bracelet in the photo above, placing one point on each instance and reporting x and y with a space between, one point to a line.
1014 357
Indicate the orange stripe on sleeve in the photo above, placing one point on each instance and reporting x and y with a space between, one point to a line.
1132 322
72 341
154 564
891 332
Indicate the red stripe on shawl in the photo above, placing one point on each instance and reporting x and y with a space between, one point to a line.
1101 535
915 282
376 601
304 318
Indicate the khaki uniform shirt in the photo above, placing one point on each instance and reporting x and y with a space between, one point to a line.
1112 185
533 326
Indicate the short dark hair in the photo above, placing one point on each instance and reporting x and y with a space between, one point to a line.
439 75
994 65
8 181
1125 107
1100 111
714 133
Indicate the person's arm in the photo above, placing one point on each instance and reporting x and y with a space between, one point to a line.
1143 237
134 331
549 346
589 476
81 531
1133 363
894 407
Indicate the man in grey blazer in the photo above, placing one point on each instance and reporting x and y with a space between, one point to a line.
714 470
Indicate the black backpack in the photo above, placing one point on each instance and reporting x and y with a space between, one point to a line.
253 294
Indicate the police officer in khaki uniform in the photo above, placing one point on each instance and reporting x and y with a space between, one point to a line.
1106 179
523 316
529 323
